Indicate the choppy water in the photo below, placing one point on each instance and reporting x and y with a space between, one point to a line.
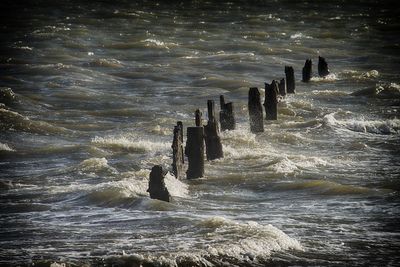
99 87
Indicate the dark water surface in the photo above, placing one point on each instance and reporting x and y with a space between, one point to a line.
99 87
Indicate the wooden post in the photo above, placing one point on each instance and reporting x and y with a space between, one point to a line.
211 134
290 85
307 71
195 152
255 111
177 151
271 101
198 115
157 188
226 115
282 87
322 67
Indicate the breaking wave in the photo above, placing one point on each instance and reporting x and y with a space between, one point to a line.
387 90
227 243
11 120
364 126
129 144
5 147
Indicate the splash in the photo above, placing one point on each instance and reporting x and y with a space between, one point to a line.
176 187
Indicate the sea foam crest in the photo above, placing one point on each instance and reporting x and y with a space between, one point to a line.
5 147
253 240
364 126
129 144
328 78
94 165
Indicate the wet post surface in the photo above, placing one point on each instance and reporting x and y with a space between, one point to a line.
195 152
157 188
282 87
211 132
198 118
290 82
226 115
177 151
255 111
322 67
271 101
307 71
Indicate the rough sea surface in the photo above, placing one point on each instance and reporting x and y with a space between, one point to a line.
96 88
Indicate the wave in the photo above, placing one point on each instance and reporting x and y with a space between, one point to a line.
96 165
11 120
130 144
151 42
7 96
102 62
329 78
225 243
299 35
325 187
6 147
388 90
358 75
364 126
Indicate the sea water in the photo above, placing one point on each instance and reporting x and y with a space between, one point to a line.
99 86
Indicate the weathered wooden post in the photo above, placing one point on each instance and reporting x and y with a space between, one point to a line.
290 85
198 119
271 100
255 111
226 115
177 151
211 132
157 188
322 67
195 152
282 87
307 71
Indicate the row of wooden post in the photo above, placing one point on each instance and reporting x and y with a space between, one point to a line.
208 134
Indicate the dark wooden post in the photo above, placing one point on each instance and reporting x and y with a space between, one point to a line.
255 111
226 115
198 115
157 188
290 85
322 67
195 152
271 100
307 71
211 132
282 87
177 151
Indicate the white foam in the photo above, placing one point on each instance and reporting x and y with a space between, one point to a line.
94 165
364 126
299 35
158 43
5 147
284 166
370 74
251 239
328 78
